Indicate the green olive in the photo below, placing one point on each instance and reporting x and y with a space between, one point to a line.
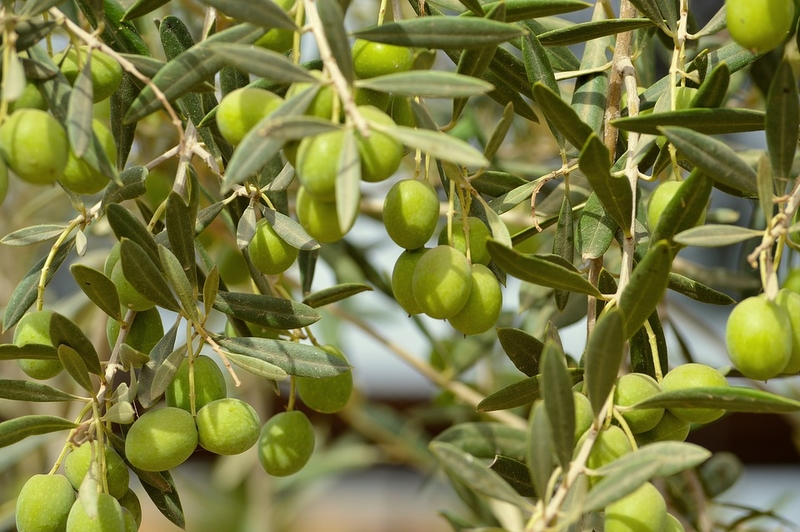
240 111
79 460
34 328
44 503
632 388
318 217
759 26
79 176
269 252
402 280
642 510
286 443
789 301
161 439
441 282
318 164
380 153
145 332
692 376
480 312
329 394
759 338
209 384
371 59
128 296
227 426
106 72
109 516
35 146
478 236
410 213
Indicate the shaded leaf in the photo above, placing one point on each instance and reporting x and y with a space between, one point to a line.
783 120
475 474
98 288
486 439
540 271
141 8
716 235
558 402
176 277
332 15
73 364
425 83
442 32
561 116
180 232
145 392
166 499
33 392
126 225
516 473
604 353
706 121
646 287
262 62
596 229
31 351
33 235
256 366
439 145
586 31
19 428
65 331
296 359
145 277
335 293
262 12
526 9
522 349
348 181
729 398
613 192
539 444
275 312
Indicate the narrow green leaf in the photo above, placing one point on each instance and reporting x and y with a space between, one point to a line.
141 8
499 133
65 331
730 398
79 112
256 366
564 244
627 473
24 295
486 439
561 115
31 32
428 84
32 351
686 207
296 359
558 402
291 231
586 31
18 429
176 277
538 67
527 9
646 287
33 392
33 235
642 343
275 312
348 181
520 393
495 184
539 444
145 392
73 364
613 192
766 185
442 32
522 349
596 229
714 89
716 235
98 288
537 270
145 277
332 15
475 474
133 186
783 120
166 499
334 294
719 121
698 291
166 370
262 63
715 158
180 232
604 353
126 225
439 145
651 10
210 289
589 97
261 12
516 473
183 73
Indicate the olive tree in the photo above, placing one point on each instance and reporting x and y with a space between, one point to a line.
178 184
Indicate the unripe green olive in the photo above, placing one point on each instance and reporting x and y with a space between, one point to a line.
79 176
3 180
128 296
410 213
669 428
161 439
227 426
240 110
34 328
377 99
759 26
322 104
145 332
278 39
44 503
583 414
380 153
639 511
792 281
400 110
478 236
692 376
483 305
632 388
610 444
402 277
209 384
129 520
371 59
328 394
106 72
109 516
659 199
441 282
79 460
758 336
673 525
31 98
318 217
318 163
35 146
789 301
286 443
269 252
